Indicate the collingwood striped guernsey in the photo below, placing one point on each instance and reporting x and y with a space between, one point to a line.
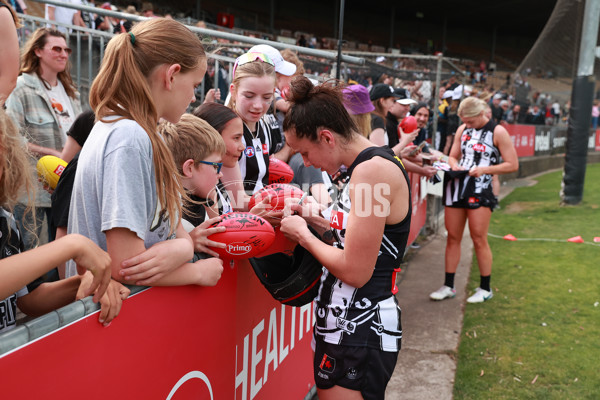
254 163
368 316
477 149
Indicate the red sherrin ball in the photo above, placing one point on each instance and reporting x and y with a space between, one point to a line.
408 124
279 172
247 235
278 192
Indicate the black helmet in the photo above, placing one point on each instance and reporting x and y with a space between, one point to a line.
293 280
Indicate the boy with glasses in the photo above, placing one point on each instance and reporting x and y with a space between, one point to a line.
198 151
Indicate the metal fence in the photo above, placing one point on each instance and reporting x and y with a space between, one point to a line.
224 45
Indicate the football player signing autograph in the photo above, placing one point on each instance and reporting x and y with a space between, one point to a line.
363 236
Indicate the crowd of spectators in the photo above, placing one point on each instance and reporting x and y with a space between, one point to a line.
514 102
91 20
508 103
393 89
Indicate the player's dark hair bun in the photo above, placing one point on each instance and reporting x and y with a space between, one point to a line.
301 89
314 107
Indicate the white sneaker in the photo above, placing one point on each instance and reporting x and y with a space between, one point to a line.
442 293
480 296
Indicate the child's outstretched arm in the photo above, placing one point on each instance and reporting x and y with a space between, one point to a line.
18 270
163 264
149 267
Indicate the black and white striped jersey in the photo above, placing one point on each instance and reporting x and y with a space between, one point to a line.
367 316
254 163
477 150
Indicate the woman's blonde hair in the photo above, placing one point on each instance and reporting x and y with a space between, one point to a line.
471 107
30 62
256 69
14 164
191 138
363 123
290 56
122 89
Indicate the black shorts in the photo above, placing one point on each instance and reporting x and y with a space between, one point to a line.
476 201
465 195
357 368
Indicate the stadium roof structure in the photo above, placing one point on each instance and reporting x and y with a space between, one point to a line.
417 24
522 17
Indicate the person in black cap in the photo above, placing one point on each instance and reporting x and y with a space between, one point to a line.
382 96
399 110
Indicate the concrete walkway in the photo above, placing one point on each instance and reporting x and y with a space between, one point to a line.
432 329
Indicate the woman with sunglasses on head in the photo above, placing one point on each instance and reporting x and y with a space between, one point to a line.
252 92
44 105
285 70
357 332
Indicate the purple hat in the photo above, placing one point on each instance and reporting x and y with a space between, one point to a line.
356 100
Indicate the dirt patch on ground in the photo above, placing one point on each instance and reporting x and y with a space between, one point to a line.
521 206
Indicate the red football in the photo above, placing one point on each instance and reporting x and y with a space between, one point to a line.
408 124
279 172
278 192
246 236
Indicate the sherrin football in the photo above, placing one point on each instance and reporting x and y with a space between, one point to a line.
277 192
408 124
279 172
246 235
49 169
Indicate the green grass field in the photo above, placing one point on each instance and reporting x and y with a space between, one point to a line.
539 337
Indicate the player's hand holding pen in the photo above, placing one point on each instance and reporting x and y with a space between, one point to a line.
305 207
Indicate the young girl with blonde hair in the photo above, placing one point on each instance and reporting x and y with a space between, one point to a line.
126 196
252 92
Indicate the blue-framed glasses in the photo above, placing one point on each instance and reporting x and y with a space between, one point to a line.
216 165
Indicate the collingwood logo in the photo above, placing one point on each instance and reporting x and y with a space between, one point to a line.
345 325
351 374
